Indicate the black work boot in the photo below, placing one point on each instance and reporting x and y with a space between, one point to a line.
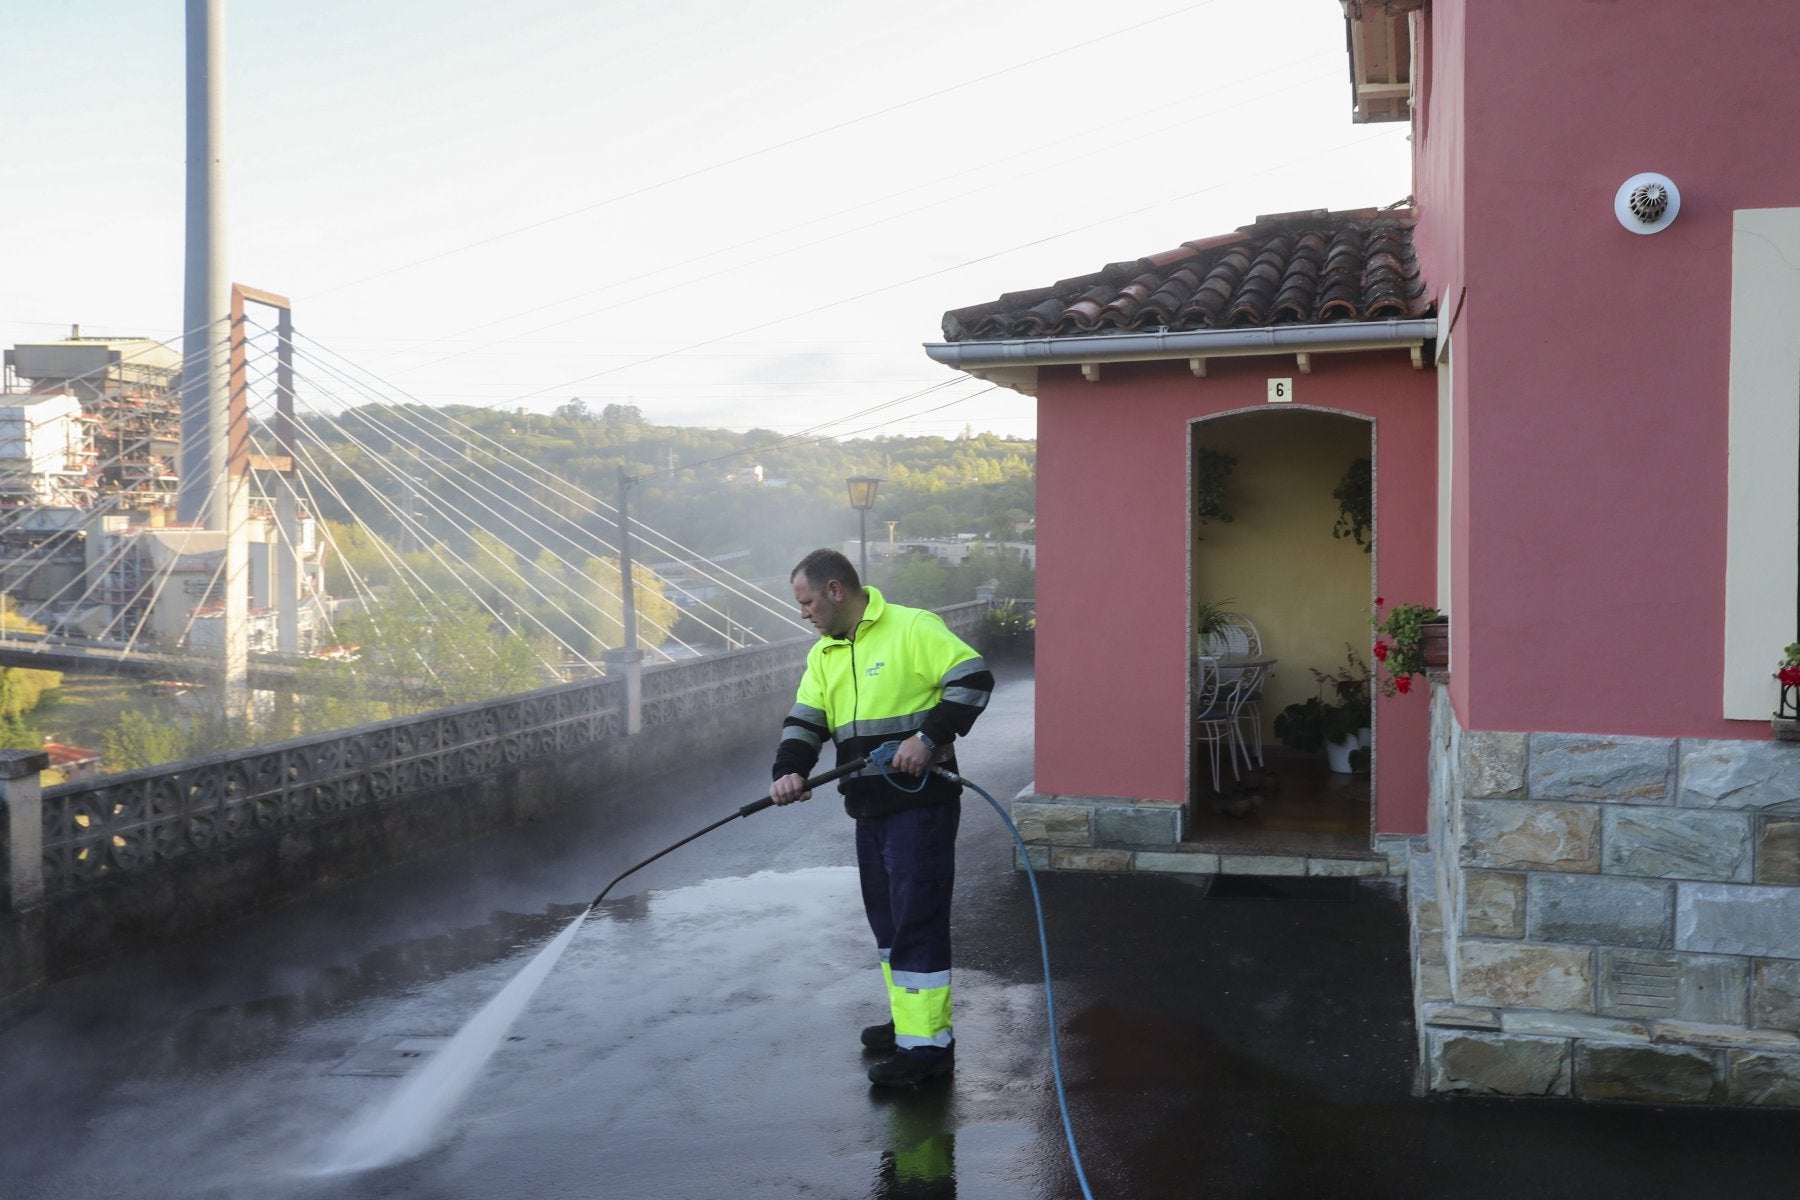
910 1067
879 1038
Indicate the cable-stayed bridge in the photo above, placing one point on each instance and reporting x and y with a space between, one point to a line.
102 575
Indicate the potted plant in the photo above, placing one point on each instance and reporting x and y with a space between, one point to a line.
1787 713
1011 629
1347 720
1301 726
1212 620
1212 468
1408 639
1355 494
1344 725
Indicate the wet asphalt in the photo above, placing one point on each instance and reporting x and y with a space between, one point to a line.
698 1039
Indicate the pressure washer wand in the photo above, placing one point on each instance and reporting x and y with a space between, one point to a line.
750 809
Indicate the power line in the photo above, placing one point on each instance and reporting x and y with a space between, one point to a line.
750 154
1142 134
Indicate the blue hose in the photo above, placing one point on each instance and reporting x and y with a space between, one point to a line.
881 757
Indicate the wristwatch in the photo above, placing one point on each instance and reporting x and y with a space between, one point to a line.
929 744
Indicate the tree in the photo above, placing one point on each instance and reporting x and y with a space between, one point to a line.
417 655
656 613
498 566
932 521
922 583
14 621
22 687
141 740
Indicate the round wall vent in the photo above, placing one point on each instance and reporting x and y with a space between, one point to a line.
1647 203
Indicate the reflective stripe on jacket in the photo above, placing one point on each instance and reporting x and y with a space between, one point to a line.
903 673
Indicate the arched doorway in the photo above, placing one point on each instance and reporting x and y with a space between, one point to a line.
1278 499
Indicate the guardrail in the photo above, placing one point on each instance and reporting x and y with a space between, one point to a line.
260 823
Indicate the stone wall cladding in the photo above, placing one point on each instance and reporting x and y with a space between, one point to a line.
1778 851
1124 834
1687 987
1608 918
1521 835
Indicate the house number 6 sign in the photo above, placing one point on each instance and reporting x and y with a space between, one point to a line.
1281 391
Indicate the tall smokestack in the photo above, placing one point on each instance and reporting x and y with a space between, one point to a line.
206 299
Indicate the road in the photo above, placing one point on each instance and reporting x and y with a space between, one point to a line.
698 1038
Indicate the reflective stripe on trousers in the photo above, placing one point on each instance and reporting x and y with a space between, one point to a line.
907 865
921 1014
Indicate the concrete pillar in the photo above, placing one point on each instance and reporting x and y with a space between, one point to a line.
206 296
236 665
21 801
630 663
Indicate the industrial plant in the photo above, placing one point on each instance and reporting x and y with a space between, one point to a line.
90 543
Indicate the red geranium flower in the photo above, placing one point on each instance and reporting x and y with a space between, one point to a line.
1403 683
1379 602
1789 676
1381 651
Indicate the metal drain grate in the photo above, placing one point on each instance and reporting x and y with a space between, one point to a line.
395 1054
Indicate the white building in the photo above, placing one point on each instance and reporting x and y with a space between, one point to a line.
169 581
46 450
949 552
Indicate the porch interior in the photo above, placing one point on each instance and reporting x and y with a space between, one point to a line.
1272 489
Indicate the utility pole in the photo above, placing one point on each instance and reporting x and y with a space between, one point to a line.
625 588
627 655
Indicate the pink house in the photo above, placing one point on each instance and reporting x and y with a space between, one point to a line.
1573 362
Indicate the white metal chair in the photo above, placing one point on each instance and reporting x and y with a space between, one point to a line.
1241 639
1219 710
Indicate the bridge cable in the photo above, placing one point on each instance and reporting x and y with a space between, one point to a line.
509 567
505 520
522 509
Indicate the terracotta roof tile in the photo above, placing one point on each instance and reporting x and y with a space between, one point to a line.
1304 268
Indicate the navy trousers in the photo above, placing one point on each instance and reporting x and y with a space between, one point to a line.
907 863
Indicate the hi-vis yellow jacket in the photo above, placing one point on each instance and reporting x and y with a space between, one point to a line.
903 672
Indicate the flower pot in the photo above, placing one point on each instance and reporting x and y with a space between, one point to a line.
1364 736
1012 644
1337 754
1435 648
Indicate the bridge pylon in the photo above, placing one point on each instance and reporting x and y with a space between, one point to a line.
235 663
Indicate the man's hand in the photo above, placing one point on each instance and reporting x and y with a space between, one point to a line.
788 789
913 757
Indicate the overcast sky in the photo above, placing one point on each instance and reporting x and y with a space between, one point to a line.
726 212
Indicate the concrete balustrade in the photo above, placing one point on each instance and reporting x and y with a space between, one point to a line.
21 801
96 866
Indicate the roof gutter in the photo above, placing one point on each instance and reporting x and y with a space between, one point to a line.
1013 361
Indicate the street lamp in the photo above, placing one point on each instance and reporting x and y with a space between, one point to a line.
862 499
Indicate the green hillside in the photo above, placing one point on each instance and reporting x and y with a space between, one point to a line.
456 467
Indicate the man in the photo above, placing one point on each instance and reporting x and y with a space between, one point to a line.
878 673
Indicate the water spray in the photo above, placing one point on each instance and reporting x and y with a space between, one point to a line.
407 1124
749 810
